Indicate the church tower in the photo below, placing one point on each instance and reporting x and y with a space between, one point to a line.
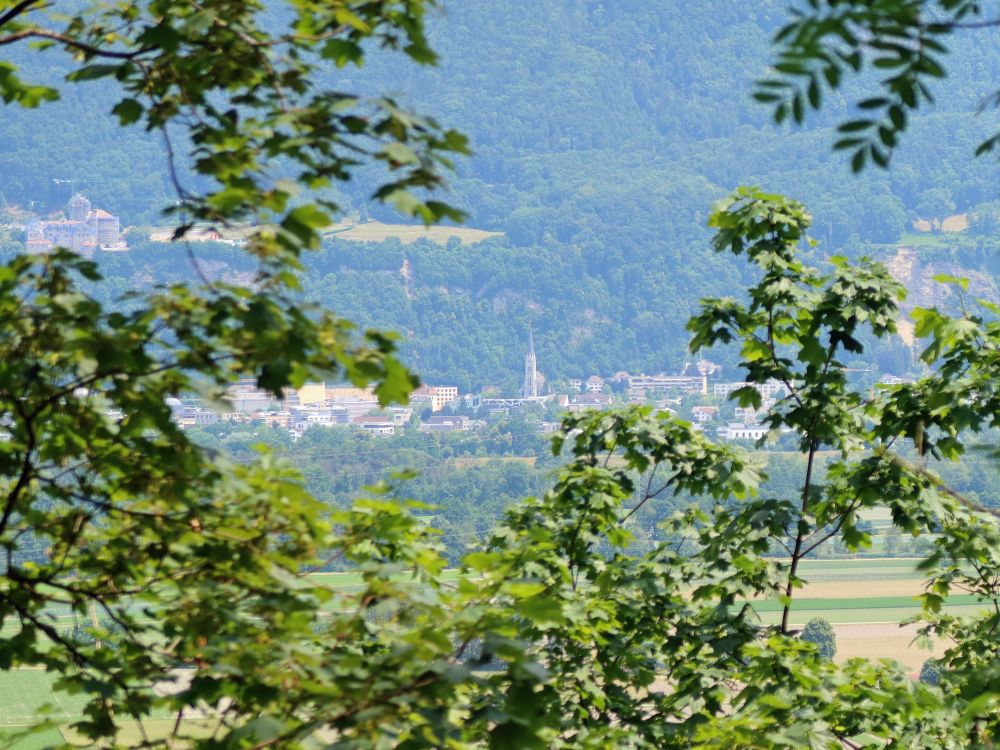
78 208
530 387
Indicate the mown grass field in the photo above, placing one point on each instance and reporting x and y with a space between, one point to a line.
24 692
464 462
26 695
376 231
18 738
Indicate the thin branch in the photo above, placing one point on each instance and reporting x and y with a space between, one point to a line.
27 468
962 25
18 36
183 195
942 487
852 506
22 7
646 497
649 496
836 529
177 726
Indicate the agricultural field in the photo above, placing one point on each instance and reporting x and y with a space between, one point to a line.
868 602
23 694
26 696
464 462
955 223
369 231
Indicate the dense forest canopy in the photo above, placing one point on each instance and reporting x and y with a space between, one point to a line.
601 132
542 86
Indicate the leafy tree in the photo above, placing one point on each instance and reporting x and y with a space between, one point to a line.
907 41
820 632
593 640
198 562
935 205
984 219
930 672
797 325
137 522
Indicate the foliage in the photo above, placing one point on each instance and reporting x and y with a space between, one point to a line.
930 672
796 324
935 204
820 632
904 41
743 686
592 640
107 507
172 63
984 219
200 564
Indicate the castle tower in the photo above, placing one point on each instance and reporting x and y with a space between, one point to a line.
530 387
78 208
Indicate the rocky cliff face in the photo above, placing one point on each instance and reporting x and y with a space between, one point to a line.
918 275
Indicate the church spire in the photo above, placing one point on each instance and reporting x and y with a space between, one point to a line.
529 388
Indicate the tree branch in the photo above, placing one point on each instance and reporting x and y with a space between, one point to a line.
69 42
22 7
942 487
27 468
799 539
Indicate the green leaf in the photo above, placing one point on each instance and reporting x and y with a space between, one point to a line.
944 278
523 589
93 72
128 111
305 222
814 93
858 160
542 610
342 52
399 154
981 705
747 396
855 126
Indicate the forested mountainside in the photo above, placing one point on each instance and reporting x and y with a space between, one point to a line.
464 310
602 133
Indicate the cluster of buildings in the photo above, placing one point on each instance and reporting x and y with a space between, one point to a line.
85 230
591 397
666 392
322 405
444 409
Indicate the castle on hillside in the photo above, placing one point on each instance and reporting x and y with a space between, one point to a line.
83 232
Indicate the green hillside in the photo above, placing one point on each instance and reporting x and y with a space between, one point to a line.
602 133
